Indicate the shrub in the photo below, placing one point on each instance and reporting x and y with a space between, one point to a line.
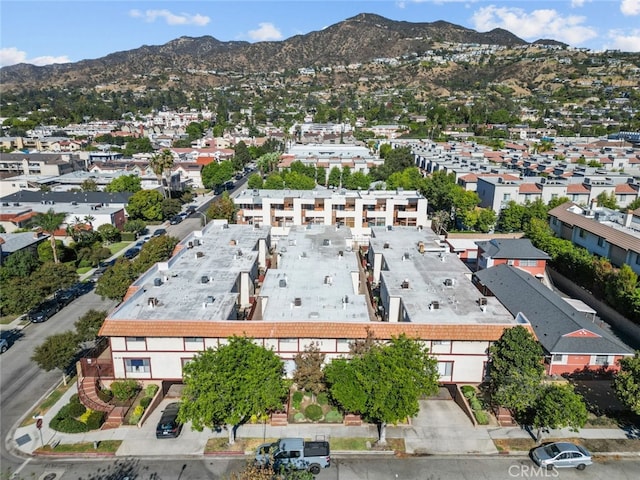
313 412
475 404
76 409
67 425
124 390
145 401
308 394
136 415
481 417
299 417
151 390
74 398
333 416
297 396
323 398
468 391
95 420
105 395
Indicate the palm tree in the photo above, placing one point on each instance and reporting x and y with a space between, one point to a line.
50 222
160 163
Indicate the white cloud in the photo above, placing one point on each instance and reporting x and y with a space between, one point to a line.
624 41
630 7
265 33
13 56
543 23
577 3
151 16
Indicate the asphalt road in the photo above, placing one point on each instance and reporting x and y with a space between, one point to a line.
22 382
356 468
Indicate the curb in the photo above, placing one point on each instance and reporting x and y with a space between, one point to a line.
74 455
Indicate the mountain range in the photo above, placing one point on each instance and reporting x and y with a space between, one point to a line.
359 39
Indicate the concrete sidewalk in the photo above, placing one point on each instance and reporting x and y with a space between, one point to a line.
437 430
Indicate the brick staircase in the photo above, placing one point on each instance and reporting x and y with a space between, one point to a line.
88 395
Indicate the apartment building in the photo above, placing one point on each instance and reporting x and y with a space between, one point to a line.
312 284
359 210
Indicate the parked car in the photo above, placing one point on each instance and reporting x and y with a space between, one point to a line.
44 311
175 220
168 426
66 296
190 209
131 253
561 455
4 344
159 232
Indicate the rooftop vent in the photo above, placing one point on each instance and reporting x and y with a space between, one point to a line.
152 302
434 306
197 242
297 302
406 256
386 245
340 253
283 283
225 226
389 228
482 301
199 254
405 284
157 282
190 245
204 279
421 247
326 242
256 226
232 242
303 255
210 299
345 299
449 282
328 280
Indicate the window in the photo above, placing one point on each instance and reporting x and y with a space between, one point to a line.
137 365
441 342
554 220
135 339
528 263
557 358
194 339
445 369
600 242
506 197
582 233
602 360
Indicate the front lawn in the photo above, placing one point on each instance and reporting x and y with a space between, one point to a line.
104 446
116 247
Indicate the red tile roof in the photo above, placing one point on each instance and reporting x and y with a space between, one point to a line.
529 188
261 329
625 188
577 188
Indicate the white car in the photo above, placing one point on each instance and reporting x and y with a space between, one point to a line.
561 455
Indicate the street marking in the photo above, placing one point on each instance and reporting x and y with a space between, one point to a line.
19 469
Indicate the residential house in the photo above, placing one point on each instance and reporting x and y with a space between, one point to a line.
518 252
572 343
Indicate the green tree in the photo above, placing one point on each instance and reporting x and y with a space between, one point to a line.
268 162
515 369
170 207
124 183
89 185
335 177
116 280
298 181
19 264
559 406
88 325
50 222
255 181
161 164
109 233
274 182
216 174
228 385
53 276
158 249
626 382
511 218
145 205
607 200
57 351
136 226
223 208
308 374
137 145
385 383
241 155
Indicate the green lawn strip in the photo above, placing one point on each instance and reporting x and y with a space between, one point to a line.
83 270
48 402
116 247
594 445
6 320
104 446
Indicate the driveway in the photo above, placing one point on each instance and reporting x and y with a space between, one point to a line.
143 442
441 428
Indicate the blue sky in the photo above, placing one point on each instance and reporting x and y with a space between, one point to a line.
53 31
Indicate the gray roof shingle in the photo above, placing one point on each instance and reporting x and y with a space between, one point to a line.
551 317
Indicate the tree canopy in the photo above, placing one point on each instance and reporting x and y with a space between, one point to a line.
559 406
57 351
626 382
385 382
145 205
50 221
515 369
228 385
124 183
308 374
